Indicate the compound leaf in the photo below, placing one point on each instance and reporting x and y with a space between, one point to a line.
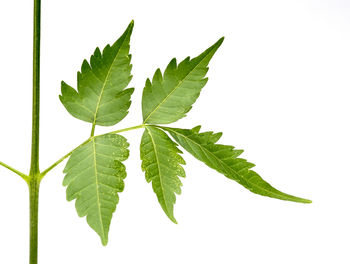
225 159
168 98
162 165
94 176
101 98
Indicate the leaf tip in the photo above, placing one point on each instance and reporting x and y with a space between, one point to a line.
172 218
104 241
306 201
131 26
170 215
218 43
298 199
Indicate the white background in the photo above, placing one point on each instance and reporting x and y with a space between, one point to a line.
278 88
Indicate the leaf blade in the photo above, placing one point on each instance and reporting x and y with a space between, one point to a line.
224 159
170 96
101 98
94 176
161 163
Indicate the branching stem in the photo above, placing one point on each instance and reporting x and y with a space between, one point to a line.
22 175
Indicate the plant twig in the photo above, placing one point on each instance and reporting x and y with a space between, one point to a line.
22 175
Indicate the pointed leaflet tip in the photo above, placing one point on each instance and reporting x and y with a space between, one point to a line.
173 220
126 35
131 26
169 214
217 44
306 201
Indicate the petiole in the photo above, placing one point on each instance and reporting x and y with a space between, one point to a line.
22 175
42 174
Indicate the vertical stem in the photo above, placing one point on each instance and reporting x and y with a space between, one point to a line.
34 165
34 206
34 174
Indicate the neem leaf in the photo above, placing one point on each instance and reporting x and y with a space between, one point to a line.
162 165
225 160
168 98
101 97
94 176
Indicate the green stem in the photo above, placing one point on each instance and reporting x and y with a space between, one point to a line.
34 184
34 165
23 176
93 130
125 129
34 174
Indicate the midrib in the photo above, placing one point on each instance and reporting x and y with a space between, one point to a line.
105 83
97 189
173 90
160 178
227 167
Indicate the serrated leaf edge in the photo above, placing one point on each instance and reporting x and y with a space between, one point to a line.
215 46
238 177
168 212
128 30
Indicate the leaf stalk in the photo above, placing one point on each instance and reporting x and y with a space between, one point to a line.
93 130
126 129
42 174
21 174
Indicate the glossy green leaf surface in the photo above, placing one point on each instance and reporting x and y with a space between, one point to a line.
170 96
94 176
225 159
101 98
162 165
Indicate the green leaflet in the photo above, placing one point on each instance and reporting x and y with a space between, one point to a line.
168 98
94 176
162 165
225 160
101 98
